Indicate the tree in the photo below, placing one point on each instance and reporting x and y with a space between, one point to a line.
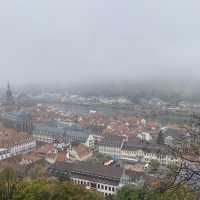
8 183
50 189
185 175
37 171
34 190
182 192
188 170
131 192
154 165
78 192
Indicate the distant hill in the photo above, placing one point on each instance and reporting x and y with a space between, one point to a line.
171 91
168 90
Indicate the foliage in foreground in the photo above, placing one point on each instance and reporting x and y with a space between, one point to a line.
41 188
51 189
130 192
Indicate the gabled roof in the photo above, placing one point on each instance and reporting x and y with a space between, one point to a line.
81 150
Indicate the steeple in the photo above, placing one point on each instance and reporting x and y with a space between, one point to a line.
9 96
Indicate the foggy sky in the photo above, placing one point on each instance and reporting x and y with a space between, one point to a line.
45 41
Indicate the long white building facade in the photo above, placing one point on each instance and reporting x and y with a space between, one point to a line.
135 150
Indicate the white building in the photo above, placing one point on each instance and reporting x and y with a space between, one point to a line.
111 145
4 153
147 153
91 142
22 147
144 136
14 149
136 150
13 143
93 176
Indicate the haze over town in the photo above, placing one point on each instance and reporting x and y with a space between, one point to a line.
72 41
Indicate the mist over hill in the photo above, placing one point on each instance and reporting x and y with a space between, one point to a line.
169 90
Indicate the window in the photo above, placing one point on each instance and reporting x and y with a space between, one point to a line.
106 187
109 188
98 186
113 189
102 187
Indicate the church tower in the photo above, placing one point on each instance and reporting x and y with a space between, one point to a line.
9 96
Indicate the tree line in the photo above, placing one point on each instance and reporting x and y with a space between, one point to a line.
42 187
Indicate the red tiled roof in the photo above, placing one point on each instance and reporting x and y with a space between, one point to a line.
81 150
61 156
32 157
45 149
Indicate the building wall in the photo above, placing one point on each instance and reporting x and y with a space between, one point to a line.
147 157
103 183
106 189
91 142
17 149
4 154
139 154
113 151
21 126
43 138
22 148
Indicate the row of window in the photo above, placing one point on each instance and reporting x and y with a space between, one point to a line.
80 182
4 156
23 147
99 186
4 152
109 149
18 150
25 144
147 156
106 188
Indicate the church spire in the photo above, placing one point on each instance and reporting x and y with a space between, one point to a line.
8 88
9 96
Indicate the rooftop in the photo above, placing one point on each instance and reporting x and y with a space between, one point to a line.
16 116
135 144
90 169
61 156
81 150
40 153
59 131
9 137
177 134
